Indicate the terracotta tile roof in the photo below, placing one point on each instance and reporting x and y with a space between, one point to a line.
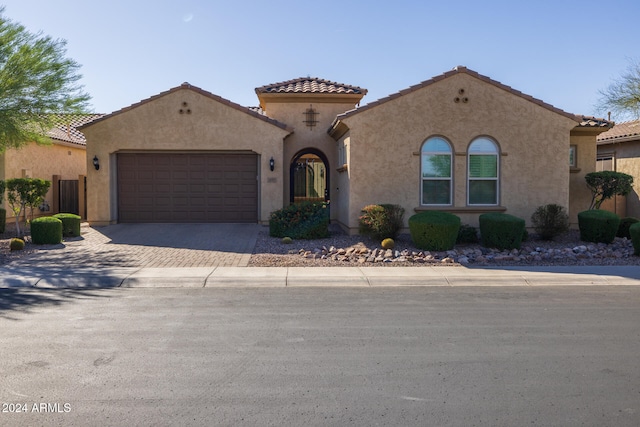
311 85
582 120
251 111
624 131
66 127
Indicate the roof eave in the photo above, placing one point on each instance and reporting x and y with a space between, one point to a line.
464 70
187 86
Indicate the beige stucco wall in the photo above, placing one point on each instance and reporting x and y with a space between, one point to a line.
157 125
580 199
342 192
290 110
626 157
43 161
385 141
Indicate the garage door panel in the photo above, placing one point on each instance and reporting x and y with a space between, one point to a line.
202 187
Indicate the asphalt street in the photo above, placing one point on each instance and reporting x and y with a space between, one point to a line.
435 356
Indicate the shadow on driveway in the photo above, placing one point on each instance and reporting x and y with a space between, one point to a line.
237 238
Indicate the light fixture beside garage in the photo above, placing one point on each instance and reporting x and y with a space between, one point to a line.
272 164
96 162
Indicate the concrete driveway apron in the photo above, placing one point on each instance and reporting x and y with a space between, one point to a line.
151 245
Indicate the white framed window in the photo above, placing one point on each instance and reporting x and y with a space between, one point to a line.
435 171
483 170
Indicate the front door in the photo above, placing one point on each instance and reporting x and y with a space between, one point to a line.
309 178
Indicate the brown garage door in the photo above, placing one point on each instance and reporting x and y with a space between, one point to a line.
195 187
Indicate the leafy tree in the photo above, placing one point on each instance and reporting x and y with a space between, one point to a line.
607 184
622 97
23 192
35 80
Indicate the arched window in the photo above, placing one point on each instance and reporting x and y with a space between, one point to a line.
436 172
483 172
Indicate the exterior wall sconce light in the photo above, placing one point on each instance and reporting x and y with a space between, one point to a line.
272 164
96 163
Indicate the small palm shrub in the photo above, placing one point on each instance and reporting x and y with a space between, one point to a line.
434 230
501 231
16 244
623 228
305 220
46 230
550 221
381 221
598 226
70 224
634 231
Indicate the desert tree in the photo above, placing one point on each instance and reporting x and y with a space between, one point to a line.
36 79
622 96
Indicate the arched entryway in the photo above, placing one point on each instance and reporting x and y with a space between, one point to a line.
309 177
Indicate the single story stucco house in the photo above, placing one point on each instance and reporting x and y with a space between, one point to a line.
459 142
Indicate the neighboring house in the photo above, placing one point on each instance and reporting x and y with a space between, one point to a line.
63 162
459 142
619 150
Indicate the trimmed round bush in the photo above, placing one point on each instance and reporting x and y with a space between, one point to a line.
287 240
623 228
70 224
16 244
46 230
434 230
598 226
501 231
634 231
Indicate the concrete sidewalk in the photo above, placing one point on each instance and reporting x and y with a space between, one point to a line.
129 277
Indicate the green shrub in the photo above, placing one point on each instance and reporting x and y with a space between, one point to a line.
287 240
623 228
3 220
598 226
381 221
16 244
70 224
388 243
467 234
434 230
306 220
46 230
550 221
501 231
634 231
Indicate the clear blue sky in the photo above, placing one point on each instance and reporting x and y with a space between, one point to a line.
560 51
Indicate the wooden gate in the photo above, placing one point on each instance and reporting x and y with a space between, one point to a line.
68 196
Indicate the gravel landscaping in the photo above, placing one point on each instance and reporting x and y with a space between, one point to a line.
341 249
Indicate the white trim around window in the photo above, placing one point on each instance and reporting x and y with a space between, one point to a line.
436 172
483 172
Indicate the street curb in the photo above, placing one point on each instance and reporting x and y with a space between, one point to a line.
215 277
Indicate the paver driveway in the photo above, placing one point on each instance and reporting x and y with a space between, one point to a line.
151 245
